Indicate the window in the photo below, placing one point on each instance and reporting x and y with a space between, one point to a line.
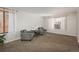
57 23
4 16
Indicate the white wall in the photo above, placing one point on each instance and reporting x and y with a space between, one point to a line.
28 21
70 28
78 25
71 25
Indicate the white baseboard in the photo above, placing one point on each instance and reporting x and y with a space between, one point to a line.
62 34
78 40
7 41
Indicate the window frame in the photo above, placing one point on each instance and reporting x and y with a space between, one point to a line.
4 26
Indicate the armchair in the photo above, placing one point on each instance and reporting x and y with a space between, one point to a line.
27 35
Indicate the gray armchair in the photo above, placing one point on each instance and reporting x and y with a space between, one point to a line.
41 30
27 35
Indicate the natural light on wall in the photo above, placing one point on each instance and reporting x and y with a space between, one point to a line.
57 23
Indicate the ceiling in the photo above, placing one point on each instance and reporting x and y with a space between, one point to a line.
46 11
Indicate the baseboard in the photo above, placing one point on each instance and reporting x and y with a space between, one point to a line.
78 39
7 41
62 34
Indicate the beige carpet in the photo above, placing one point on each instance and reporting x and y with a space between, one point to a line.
45 43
